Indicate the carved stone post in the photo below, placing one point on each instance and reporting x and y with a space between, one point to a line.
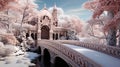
39 34
29 33
51 34
58 35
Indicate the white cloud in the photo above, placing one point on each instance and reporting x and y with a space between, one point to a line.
76 10
81 12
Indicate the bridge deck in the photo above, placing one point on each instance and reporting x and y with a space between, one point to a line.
103 59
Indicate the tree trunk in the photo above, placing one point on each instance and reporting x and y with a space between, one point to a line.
7 12
111 36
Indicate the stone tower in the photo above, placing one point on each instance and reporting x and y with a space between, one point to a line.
54 14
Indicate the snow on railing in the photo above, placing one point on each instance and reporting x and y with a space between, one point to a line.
113 51
76 57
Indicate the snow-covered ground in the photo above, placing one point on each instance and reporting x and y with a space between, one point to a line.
101 58
23 60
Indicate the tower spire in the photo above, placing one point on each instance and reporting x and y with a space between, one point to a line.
54 14
55 5
45 6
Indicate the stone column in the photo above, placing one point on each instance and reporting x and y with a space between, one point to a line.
65 34
10 28
58 35
29 33
51 35
39 34
24 34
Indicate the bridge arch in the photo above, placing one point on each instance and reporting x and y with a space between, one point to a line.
46 58
59 62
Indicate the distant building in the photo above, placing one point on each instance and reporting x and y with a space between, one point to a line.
47 26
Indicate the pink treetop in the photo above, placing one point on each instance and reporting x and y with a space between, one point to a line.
4 3
99 6
102 5
106 5
91 4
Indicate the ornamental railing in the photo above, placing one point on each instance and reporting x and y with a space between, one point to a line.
76 57
110 50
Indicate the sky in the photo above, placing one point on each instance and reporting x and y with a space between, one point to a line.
70 7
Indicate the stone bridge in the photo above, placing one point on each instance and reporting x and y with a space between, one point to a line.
55 53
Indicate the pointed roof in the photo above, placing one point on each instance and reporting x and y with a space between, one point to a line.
55 7
45 8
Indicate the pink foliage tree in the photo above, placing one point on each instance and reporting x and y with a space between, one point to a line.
112 8
4 3
71 22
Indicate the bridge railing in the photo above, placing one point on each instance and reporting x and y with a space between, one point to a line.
113 51
76 57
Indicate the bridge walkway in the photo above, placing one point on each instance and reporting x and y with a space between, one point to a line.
101 58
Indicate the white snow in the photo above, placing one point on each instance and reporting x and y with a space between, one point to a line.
18 61
101 58
13 56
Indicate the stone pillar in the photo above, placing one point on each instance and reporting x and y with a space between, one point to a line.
24 34
10 28
65 34
58 35
29 33
39 34
52 62
51 35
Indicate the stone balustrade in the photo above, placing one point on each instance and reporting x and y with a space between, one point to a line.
76 57
113 51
